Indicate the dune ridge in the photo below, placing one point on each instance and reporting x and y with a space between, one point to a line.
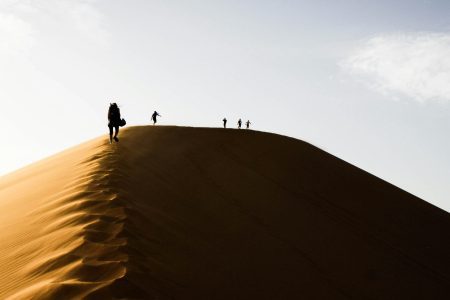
198 213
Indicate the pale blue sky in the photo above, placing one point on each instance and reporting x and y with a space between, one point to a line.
367 81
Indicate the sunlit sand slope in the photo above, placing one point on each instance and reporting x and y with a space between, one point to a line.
192 213
59 226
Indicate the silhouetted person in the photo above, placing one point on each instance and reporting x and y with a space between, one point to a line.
239 124
248 124
224 122
113 121
155 114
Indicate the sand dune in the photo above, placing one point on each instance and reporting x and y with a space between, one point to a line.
194 213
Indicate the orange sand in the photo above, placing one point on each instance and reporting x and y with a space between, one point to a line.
193 213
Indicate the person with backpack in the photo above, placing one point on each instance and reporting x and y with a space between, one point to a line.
114 121
248 124
154 115
239 124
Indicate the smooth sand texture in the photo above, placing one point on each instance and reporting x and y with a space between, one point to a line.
194 213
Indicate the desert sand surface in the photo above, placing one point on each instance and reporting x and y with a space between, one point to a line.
198 213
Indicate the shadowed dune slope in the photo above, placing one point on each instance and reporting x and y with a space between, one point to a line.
197 213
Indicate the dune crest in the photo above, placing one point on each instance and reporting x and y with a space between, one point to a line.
196 213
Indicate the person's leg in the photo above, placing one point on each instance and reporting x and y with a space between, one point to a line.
110 132
117 132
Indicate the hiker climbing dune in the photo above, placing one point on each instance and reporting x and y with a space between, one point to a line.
114 121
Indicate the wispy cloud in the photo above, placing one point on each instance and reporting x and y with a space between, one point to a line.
88 20
23 22
415 65
39 44
16 36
